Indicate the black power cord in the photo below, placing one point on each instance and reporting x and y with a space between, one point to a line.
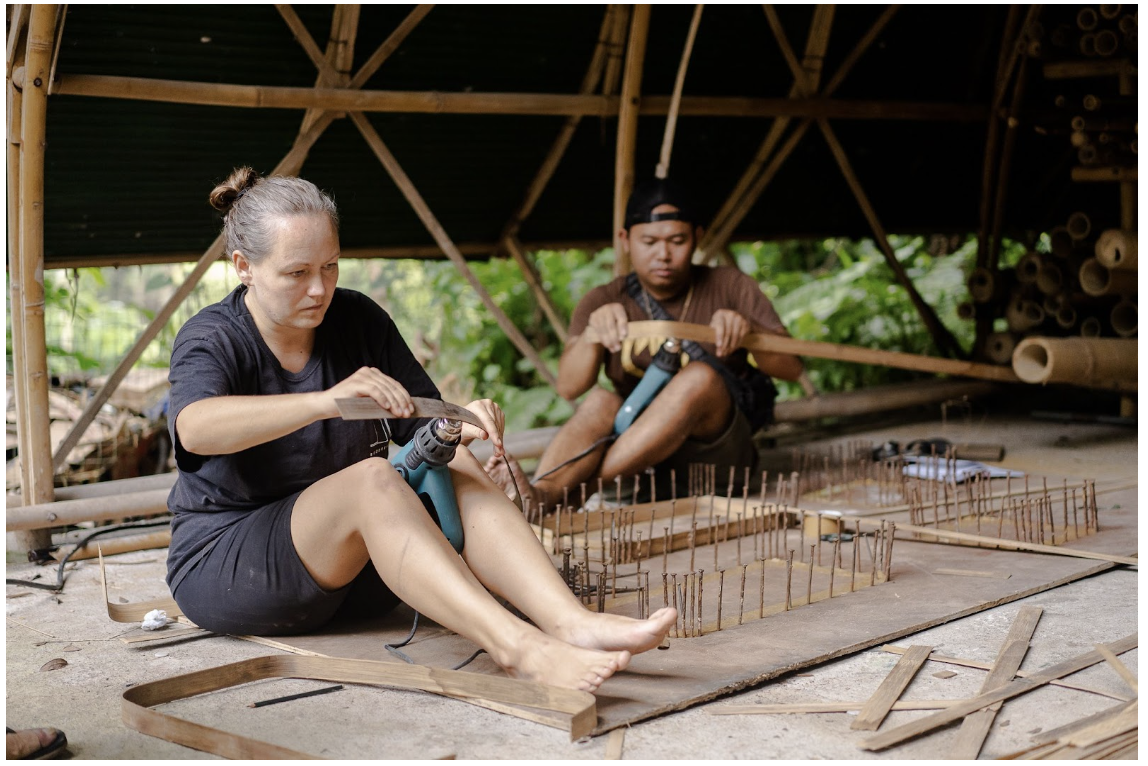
59 586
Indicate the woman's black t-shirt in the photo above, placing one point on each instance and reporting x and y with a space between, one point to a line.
220 352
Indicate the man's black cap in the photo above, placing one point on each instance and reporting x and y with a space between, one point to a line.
647 195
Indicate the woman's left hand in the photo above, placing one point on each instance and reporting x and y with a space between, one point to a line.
493 420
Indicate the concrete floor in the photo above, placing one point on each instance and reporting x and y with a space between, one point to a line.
83 698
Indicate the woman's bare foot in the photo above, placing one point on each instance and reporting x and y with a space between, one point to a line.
512 481
547 660
613 632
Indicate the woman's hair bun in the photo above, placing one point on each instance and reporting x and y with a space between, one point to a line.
225 195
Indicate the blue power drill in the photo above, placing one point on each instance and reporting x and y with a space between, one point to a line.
665 364
423 464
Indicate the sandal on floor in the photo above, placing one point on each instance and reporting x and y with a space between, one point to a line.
50 750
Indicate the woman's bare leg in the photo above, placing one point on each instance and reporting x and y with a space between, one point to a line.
368 513
496 533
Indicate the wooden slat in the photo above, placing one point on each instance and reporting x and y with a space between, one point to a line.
975 728
627 138
1012 689
1121 669
787 708
879 705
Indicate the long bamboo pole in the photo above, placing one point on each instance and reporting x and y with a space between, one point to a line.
616 49
538 104
534 280
941 335
781 344
390 45
340 54
288 166
440 236
16 24
627 139
15 273
33 131
663 168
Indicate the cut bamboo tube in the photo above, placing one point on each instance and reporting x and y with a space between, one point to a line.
1096 280
1083 361
1028 268
1104 174
1116 249
1023 315
1066 317
1079 225
1090 327
41 36
627 138
1106 43
1124 318
125 544
16 51
999 347
67 512
1050 280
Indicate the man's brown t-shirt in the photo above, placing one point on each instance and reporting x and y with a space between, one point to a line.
722 287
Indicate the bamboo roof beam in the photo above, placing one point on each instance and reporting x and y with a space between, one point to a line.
508 240
33 130
289 165
388 46
340 54
663 168
945 341
627 139
526 104
616 49
16 24
440 236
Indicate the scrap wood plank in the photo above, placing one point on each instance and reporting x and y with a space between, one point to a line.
975 728
1104 735
614 744
972 573
1008 691
879 705
1020 673
1052 735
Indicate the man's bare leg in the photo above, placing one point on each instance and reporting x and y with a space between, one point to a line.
694 404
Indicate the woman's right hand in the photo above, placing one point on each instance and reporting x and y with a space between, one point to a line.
371 382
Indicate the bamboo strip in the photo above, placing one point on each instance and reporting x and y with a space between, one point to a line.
16 51
824 707
440 236
892 649
1120 668
327 73
975 728
627 138
785 345
1012 689
995 542
879 705
663 168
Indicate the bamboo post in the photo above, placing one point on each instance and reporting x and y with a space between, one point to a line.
340 54
16 51
443 240
34 113
628 128
288 166
663 168
941 335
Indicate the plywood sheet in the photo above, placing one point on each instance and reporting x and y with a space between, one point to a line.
694 670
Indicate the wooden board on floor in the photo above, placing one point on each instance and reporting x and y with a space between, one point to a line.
696 670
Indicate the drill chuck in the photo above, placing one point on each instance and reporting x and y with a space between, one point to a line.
435 443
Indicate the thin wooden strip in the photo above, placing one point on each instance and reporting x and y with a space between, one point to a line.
578 708
975 728
614 744
879 705
972 573
782 708
137 611
163 635
1013 689
1053 735
995 542
1108 728
892 649
1119 667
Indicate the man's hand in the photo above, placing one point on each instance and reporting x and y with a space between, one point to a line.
493 420
610 324
731 329
369 381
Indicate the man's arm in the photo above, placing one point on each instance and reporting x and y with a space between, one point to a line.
578 367
784 366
